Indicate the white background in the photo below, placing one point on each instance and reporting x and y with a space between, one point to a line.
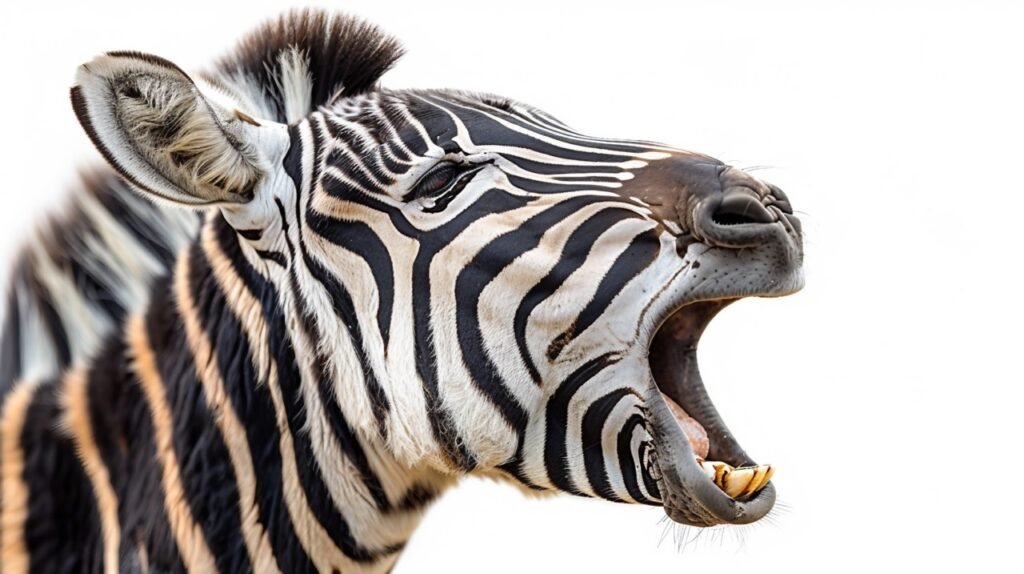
888 393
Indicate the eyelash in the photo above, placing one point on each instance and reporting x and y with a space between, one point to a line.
436 181
442 184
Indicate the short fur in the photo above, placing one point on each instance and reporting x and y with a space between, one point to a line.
83 270
302 60
337 57
395 289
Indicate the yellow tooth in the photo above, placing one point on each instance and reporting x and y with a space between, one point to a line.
717 471
722 471
761 475
737 481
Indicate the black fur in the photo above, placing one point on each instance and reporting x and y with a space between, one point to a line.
61 531
346 56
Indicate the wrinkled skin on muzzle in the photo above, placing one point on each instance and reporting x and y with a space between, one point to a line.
725 235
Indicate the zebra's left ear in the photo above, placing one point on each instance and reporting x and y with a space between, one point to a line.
169 135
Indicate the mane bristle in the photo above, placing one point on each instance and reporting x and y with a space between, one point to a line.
305 59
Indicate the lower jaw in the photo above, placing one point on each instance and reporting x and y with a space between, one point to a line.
738 482
708 478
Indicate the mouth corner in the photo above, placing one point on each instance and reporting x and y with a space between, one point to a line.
706 480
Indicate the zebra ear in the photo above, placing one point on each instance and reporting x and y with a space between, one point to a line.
170 136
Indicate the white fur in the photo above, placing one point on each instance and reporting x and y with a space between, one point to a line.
220 161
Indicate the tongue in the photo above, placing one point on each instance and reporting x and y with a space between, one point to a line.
693 430
738 482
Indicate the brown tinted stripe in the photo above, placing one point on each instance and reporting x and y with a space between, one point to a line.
315 540
195 553
79 427
257 543
14 507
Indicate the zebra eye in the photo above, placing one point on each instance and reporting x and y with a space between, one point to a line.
437 181
439 186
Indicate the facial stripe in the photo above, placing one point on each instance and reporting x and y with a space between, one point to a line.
640 253
359 238
328 430
443 426
366 147
593 444
599 171
557 420
569 261
561 163
489 130
343 305
531 122
629 466
369 523
487 263
344 308
409 134
332 544
349 442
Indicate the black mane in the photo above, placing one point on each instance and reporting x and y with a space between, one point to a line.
345 56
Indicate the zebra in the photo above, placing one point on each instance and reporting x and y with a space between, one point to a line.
344 298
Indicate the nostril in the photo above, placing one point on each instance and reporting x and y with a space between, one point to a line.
739 207
729 218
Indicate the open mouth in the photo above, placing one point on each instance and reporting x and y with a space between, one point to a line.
706 477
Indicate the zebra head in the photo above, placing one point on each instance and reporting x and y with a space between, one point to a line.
485 289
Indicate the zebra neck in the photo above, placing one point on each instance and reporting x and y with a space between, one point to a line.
194 441
263 452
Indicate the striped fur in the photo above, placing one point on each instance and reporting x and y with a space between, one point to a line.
82 272
414 286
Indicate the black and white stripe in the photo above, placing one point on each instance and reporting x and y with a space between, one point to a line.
82 272
288 387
